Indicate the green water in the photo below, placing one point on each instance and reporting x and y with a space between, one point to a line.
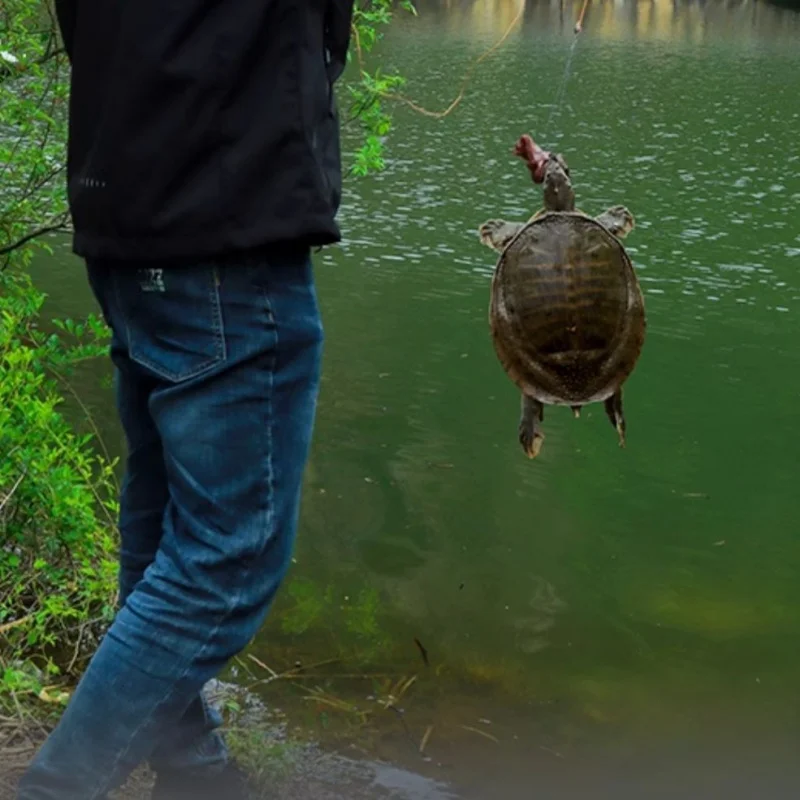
597 603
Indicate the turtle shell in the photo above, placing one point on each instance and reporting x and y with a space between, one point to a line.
567 313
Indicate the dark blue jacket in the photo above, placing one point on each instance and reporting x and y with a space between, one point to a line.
202 127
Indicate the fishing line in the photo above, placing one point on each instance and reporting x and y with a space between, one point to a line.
562 88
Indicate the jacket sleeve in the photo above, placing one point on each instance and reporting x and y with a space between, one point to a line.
338 19
67 13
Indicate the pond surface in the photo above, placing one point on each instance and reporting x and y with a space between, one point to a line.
598 622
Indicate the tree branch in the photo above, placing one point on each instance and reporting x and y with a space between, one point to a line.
9 72
59 223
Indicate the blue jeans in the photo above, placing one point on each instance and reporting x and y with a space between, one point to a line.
217 377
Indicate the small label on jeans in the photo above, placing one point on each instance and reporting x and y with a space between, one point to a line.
152 280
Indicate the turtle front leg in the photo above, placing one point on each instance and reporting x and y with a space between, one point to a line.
618 220
530 434
497 233
613 407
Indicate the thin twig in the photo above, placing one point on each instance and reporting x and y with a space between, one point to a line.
359 53
16 623
297 676
12 490
551 751
20 712
481 733
262 664
77 649
397 692
59 224
405 724
294 672
90 419
425 739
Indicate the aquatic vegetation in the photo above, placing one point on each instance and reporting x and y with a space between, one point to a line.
698 611
309 603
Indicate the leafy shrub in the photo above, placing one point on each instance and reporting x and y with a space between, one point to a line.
57 501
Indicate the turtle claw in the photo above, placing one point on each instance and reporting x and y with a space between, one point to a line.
488 232
497 233
613 406
618 220
531 446
530 435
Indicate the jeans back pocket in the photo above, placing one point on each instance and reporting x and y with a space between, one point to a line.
172 318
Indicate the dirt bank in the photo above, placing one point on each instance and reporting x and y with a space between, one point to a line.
282 767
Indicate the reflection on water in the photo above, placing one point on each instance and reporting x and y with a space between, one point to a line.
691 21
586 607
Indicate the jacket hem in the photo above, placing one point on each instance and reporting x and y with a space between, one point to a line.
155 248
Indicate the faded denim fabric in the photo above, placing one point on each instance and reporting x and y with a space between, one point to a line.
217 380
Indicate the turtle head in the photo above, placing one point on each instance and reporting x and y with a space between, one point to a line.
550 169
558 192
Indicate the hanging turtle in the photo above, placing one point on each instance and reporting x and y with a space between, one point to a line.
567 314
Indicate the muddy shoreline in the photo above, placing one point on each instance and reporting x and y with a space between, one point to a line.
281 766
321 776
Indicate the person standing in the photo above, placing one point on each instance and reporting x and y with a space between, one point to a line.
203 167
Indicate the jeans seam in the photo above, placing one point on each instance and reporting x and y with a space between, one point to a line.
270 420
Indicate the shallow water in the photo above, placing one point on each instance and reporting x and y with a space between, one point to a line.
615 620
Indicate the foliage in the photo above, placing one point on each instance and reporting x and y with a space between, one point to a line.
367 95
309 602
57 512
308 605
33 102
57 501
353 624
